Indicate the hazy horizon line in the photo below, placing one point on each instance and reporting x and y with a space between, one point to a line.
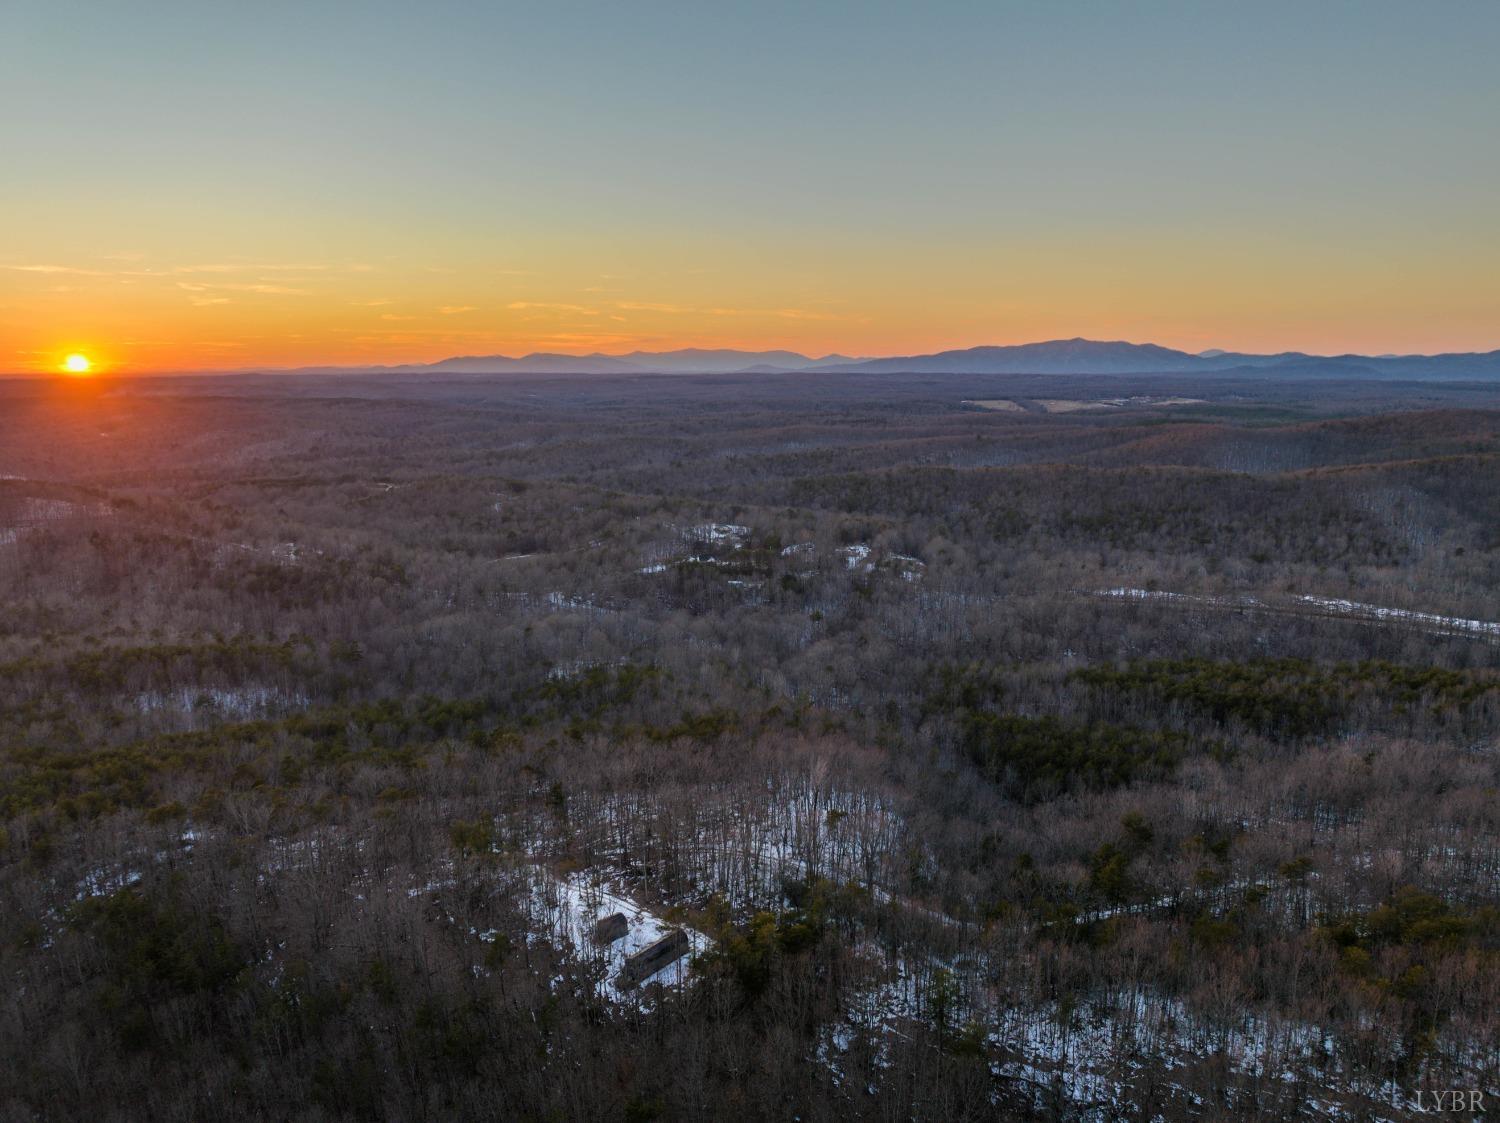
123 370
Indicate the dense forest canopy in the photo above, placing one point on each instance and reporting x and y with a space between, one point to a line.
1126 750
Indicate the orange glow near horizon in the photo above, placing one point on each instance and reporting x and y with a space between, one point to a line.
196 311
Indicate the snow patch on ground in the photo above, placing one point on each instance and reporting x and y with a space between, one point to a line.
32 513
910 568
871 1018
838 835
713 534
566 601
1332 606
102 882
578 667
1090 1055
240 702
857 557
719 532
1178 598
1426 619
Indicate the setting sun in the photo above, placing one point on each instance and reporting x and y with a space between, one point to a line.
77 364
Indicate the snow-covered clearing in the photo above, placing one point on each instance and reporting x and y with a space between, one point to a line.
566 909
1002 405
1077 405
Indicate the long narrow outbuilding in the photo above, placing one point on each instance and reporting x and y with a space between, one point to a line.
652 958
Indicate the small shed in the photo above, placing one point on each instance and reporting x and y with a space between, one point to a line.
611 928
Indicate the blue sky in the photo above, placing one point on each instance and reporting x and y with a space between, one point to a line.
1319 175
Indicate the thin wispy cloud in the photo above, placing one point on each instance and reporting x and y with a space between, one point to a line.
580 339
427 333
646 306
455 309
779 313
250 267
264 289
551 306
686 310
806 314
214 267
68 269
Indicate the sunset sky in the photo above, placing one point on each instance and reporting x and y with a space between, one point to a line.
196 184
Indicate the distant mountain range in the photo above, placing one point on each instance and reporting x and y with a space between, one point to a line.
1059 356
1086 356
691 360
